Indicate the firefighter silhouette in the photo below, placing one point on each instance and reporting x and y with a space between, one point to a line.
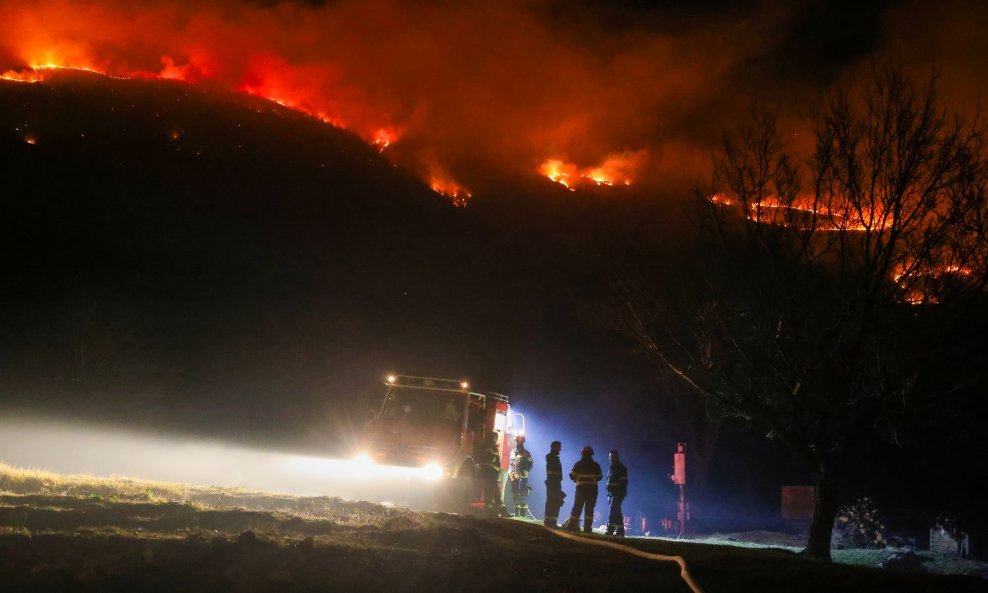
586 473
554 494
521 464
617 489
490 471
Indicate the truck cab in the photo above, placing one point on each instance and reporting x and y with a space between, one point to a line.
438 426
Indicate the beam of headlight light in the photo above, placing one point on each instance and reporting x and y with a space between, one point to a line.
77 449
433 471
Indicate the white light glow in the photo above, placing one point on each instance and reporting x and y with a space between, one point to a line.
432 472
73 449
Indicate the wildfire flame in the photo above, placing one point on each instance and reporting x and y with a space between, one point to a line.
283 94
823 214
559 172
616 169
831 215
22 76
383 138
389 69
456 193
915 280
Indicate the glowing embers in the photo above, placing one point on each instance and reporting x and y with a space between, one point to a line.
26 75
384 137
282 92
297 88
616 169
446 186
922 284
196 69
808 212
917 282
559 172
288 101
42 72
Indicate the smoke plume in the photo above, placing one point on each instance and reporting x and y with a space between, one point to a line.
459 91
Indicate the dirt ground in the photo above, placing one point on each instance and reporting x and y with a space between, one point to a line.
60 534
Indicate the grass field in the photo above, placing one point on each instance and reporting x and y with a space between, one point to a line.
80 533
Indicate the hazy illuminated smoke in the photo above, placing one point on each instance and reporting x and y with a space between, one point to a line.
460 93
436 89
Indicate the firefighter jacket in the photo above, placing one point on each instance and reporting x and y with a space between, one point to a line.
521 463
586 472
617 479
553 470
490 461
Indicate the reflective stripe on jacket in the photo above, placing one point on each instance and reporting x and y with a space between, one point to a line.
617 478
553 468
491 462
521 462
586 472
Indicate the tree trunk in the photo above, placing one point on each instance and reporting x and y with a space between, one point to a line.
698 467
698 456
705 427
824 512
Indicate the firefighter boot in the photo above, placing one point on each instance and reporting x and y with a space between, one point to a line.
588 525
610 529
573 524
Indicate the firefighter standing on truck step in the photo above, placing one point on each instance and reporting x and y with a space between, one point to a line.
617 489
521 464
490 471
586 473
554 494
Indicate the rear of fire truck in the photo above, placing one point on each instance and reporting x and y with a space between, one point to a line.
439 427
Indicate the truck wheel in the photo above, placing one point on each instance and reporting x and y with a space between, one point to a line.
463 487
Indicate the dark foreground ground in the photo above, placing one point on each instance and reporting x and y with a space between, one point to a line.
113 536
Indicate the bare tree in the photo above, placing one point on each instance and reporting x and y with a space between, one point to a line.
823 286
644 295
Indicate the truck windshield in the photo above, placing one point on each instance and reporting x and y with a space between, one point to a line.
424 407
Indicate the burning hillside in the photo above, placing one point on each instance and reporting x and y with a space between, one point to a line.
616 169
420 83
478 92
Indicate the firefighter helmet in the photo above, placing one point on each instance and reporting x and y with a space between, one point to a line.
587 451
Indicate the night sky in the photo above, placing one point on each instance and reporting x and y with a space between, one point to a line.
187 258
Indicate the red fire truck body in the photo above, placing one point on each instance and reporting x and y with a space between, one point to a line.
440 426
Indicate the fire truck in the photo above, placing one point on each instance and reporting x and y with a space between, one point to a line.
439 426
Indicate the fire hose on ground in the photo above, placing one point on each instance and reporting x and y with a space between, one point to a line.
683 570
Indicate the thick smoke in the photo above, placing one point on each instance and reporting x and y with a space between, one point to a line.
463 90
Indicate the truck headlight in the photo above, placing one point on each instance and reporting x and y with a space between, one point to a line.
432 471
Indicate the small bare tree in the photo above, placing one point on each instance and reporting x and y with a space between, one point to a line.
822 287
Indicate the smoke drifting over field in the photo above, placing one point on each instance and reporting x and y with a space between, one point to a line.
103 451
459 92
